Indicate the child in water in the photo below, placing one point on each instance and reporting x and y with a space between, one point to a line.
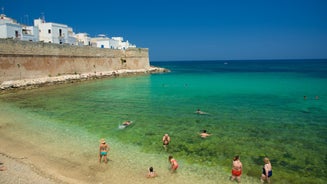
173 163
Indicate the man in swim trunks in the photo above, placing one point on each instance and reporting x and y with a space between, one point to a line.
236 169
103 151
173 163
266 171
165 141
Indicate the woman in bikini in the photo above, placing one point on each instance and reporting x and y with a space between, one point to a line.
266 171
173 164
236 169
103 151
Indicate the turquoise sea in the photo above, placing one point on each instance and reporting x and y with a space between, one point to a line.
274 108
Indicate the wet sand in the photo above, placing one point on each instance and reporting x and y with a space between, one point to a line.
43 153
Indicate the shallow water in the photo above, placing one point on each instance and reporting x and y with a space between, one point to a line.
256 109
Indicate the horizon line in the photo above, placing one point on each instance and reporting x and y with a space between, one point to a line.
185 60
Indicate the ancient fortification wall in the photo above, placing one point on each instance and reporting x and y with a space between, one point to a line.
27 60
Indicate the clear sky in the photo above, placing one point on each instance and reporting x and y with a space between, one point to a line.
193 29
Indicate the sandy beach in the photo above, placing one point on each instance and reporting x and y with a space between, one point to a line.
35 154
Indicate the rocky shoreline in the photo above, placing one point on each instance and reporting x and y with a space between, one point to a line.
48 81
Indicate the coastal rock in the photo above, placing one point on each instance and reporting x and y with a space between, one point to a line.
38 82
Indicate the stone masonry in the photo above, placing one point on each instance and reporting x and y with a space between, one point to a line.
29 60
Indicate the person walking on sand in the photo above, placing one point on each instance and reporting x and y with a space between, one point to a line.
165 141
173 164
151 173
236 169
103 151
266 171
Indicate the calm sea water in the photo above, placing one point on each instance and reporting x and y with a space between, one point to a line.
256 109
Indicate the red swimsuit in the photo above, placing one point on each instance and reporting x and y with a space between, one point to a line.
236 172
174 164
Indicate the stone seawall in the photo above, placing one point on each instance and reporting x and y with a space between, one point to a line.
48 81
20 60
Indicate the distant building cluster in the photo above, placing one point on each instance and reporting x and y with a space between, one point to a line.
50 32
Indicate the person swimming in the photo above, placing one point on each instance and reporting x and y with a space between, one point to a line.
125 124
200 112
204 134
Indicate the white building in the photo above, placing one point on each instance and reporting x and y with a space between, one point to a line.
55 33
102 41
118 43
30 33
9 28
83 39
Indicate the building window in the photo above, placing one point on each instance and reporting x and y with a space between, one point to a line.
60 32
16 34
49 31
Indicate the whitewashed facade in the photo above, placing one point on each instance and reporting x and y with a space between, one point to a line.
102 41
9 28
55 33
118 43
30 33
83 39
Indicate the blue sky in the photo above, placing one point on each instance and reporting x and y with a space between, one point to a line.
194 29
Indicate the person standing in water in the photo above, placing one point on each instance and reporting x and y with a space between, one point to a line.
173 163
165 141
236 169
103 151
266 171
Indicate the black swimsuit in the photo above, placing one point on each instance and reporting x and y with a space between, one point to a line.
264 172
